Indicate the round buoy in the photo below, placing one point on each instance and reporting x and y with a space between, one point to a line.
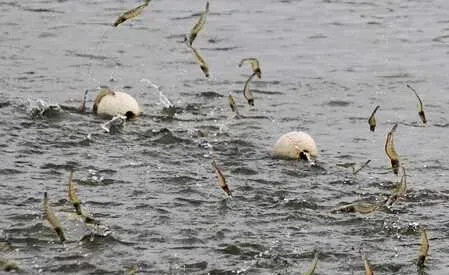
295 145
111 103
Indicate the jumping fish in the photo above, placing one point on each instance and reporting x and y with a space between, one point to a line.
400 190
313 265
198 25
52 219
247 92
423 250
73 198
254 65
391 152
421 114
221 179
355 172
233 105
131 13
372 119
362 208
368 270
201 62
83 102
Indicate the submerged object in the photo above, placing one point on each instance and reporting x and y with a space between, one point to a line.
111 103
391 151
296 145
421 114
358 207
372 119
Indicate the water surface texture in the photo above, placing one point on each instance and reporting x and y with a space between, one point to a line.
325 66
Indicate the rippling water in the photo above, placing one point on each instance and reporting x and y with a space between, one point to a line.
325 65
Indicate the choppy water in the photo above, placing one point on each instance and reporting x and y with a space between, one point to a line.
325 65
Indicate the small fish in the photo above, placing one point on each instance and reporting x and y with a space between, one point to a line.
130 13
221 179
421 114
233 105
83 102
423 250
73 198
368 270
52 219
400 190
313 265
372 119
198 25
354 172
391 152
247 92
362 208
201 62
254 65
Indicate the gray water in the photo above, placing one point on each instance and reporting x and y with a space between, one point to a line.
325 66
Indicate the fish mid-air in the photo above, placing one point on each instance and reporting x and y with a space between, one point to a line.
423 249
372 119
52 219
200 61
254 62
73 198
131 13
198 25
221 179
233 105
247 93
390 150
421 114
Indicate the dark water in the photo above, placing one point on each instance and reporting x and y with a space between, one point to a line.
325 65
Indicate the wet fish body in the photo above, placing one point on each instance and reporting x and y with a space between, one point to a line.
390 150
52 219
313 265
201 62
400 191
372 119
247 93
73 198
421 114
221 179
233 105
198 25
130 14
254 62
423 249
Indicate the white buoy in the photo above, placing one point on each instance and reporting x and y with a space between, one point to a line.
296 145
112 103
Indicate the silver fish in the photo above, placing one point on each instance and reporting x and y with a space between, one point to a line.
254 62
73 198
421 114
221 179
390 150
233 105
53 219
201 62
198 25
423 249
247 91
131 13
400 190
372 119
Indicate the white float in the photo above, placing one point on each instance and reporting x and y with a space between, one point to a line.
296 145
111 103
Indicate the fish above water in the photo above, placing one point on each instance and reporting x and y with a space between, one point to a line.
131 13
372 119
73 198
254 62
221 179
400 190
423 249
200 61
198 25
391 151
421 114
52 219
313 265
233 105
247 93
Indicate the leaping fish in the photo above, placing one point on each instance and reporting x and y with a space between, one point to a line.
423 250
52 219
312 267
254 62
372 119
201 62
421 114
368 270
247 92
131 13
73 198
233 105
221 179
391 152
400 190
198 25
